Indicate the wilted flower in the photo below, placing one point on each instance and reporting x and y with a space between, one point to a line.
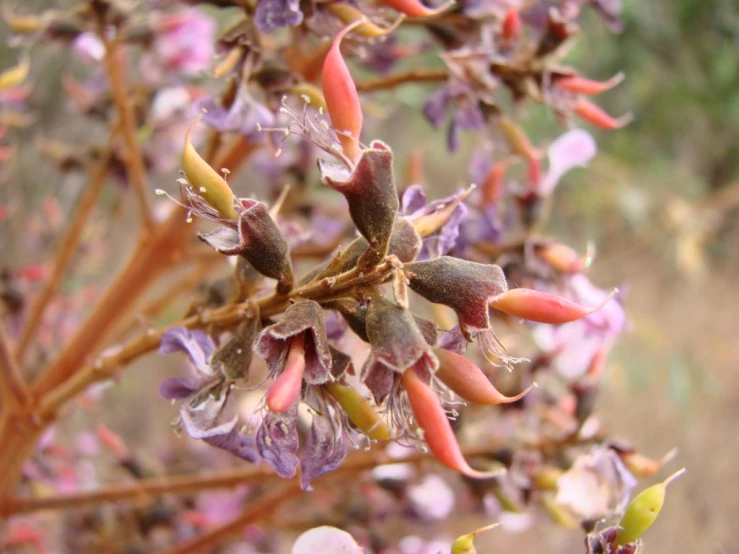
597 485
205 395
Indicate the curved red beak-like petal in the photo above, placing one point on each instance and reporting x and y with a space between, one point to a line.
438 431
342 98
469 382
542 307
286 388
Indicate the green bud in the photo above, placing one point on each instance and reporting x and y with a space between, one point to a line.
465 543
643 510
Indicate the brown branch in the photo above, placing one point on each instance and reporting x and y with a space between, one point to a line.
186 484
224 317
135 169
260 508
12 386
64 255
392 81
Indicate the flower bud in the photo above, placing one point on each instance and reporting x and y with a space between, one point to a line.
595 115
15 76
466 287
342 98
438 432
415 8
563 258
372 197
588 87
517 140
642 466
22 24
259 240
205 181
542 307
492 185
359 411
464 544
468 381
511 27
643 510
348 15
311 93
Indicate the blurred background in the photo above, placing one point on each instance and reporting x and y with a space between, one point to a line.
660 203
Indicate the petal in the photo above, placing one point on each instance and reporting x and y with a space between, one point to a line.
199 416
325 449
414 199
277 441
177 387
572 149
235 443
196 344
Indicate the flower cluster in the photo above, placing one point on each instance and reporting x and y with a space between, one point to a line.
360 309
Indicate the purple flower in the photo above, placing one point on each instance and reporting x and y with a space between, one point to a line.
326 540
274 14
414 205
466 114
574 148
205 395
300 359
245 115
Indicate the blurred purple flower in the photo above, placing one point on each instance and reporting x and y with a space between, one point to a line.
245 116
466 114
326 540
274 14
572 149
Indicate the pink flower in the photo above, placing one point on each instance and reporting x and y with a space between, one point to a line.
185 41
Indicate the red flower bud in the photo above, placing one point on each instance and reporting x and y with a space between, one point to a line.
342 98
438 432
588 87
468 381
563 258
492 185
540 306
596 116
414 8
286 388
511 29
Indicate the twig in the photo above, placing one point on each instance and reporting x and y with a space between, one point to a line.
12 386
64 255
257 510
186 484
224 317
392 81
135 169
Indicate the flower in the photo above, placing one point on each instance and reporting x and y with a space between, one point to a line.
300 359
274 14
466 113
205 395
245 115
597 485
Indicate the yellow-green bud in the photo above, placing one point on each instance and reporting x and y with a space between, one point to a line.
643 510
465 543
